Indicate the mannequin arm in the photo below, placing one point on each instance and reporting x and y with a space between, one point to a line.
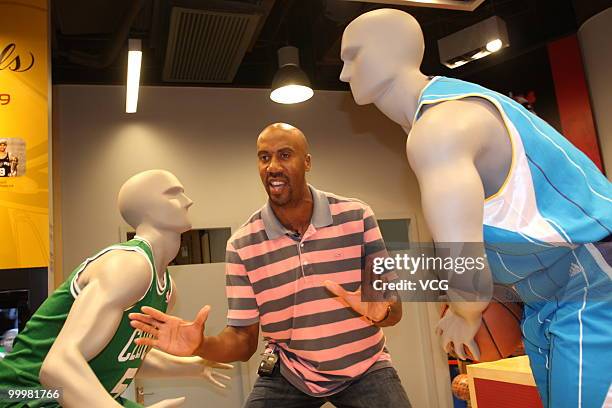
442 153
114 282
159 364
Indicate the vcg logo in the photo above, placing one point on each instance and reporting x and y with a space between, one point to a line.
11 60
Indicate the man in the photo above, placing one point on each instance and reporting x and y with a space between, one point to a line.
295 269
80 341
491 172
8 162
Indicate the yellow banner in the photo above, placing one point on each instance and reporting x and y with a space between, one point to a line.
24 130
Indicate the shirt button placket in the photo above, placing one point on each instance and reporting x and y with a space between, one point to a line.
299 246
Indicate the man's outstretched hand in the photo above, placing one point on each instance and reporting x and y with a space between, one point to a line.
170 334
375 311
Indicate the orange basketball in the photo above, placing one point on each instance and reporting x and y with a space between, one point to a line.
499 335
460 387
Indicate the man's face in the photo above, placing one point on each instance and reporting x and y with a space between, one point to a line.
2 147
169 204
366 69
283 163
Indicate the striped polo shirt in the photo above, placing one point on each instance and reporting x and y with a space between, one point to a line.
276 278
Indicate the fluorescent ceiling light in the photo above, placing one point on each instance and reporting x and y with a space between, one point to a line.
133 75
480 54
458 63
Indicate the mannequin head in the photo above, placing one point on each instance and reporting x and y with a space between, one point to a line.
378 47
156 199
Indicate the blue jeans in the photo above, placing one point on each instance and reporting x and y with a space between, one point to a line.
377 389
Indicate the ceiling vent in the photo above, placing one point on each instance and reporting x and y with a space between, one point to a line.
465 5
207 46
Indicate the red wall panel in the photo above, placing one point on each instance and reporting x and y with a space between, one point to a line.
573 96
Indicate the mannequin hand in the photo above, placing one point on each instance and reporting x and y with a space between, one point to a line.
170 334
169 403
457 333
209 372
375 311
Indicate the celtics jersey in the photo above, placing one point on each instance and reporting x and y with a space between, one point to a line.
117 364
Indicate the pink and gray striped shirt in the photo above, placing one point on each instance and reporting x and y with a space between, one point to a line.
276 278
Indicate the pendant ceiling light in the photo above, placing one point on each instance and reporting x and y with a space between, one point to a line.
290 84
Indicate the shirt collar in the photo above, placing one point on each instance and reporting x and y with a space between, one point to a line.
321 215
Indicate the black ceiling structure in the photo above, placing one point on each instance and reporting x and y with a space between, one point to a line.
89 39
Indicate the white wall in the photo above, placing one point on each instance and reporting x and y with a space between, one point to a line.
206 136
595 37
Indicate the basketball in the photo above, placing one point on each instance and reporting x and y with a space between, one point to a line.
500 334
460 387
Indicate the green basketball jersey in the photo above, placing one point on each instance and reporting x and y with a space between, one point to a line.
116 365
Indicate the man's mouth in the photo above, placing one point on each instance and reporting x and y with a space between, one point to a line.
277 186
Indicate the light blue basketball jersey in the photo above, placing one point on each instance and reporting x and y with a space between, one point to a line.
553 198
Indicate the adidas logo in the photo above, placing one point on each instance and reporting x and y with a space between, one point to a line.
575 269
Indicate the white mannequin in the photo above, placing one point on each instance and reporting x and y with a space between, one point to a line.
489 169
382 52
154 203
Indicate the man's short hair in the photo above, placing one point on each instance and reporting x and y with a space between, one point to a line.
4 141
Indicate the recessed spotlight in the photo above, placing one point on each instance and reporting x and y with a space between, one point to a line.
495 45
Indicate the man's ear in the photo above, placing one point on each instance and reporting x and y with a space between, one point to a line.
308 162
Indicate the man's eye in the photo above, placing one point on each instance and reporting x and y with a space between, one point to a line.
264 158
285 156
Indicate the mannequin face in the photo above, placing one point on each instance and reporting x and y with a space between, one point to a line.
377 48
365 69
168 205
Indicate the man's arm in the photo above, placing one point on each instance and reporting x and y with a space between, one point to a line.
442 154
232 344
184 338
381 309
114 282
237 342
158 364
374 247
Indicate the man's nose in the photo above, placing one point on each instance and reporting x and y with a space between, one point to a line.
274 166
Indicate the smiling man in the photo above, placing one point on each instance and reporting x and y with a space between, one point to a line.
295 268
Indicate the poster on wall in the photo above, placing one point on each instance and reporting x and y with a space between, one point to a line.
24 129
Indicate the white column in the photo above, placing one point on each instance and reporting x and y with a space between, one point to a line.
595 37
